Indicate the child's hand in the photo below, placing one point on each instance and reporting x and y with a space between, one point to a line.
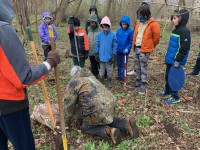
176 64
126 51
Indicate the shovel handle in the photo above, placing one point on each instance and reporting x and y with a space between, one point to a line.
44 89
61 111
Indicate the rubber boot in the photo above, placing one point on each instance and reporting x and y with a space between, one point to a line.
109 84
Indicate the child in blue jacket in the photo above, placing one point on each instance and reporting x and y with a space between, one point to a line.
106 49
124 42
177 51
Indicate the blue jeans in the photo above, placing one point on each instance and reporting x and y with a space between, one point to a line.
120 65
16 127
168 90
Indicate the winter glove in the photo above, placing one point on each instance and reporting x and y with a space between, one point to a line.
176 64
126 51
113 59
86 54
97 57
53 58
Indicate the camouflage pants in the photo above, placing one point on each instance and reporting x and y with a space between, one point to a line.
141 64
105 66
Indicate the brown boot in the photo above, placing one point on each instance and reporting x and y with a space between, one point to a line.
132 127
114 134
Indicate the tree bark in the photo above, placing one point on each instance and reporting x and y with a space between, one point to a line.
79 4
61 12
108 8
21 11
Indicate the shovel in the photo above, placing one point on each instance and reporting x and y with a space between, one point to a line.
60 103
44 89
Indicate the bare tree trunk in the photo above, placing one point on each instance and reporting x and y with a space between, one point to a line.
94 2
36 15
21 11
61 12
79 4
181 2
113 14
108 8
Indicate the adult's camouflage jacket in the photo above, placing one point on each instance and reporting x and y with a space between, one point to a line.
95 101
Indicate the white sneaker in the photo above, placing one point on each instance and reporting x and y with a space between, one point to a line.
131 73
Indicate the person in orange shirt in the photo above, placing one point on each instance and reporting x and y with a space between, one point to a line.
146 37
78 41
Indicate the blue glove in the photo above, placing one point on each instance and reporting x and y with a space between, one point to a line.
126 50
176 64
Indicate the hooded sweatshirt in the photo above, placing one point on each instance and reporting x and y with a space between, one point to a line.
180 40
43 29
15 71
124 36
92 33
88 23
106 43
147 2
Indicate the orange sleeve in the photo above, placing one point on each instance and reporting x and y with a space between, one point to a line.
86 42
156 33
68 29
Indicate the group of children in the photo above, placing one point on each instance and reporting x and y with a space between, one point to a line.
103 46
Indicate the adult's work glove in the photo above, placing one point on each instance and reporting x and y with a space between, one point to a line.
97 57
176 64
113 59
86 54
53 58
126 51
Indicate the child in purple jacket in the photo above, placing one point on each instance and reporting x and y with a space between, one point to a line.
44 33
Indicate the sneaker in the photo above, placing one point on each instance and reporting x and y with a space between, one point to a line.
132 127
171 101
192 74
142 89
162 93
131 73
114 134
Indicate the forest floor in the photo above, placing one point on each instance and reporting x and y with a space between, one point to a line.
161 126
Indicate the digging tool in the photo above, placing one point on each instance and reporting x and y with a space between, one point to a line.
61 111
77 53
76 48
125 71
44 89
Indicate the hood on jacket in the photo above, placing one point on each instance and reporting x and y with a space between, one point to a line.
184 17
46 14
6 11
93 7
106 20
125 19
147 2
93 18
